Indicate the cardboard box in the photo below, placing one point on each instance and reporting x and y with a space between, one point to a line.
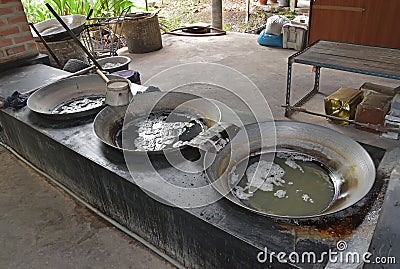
371 87
343 104
294 36
373 110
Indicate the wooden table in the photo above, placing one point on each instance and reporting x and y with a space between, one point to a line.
369 60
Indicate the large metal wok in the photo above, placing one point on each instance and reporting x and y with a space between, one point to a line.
109 122
51 30
46 100
339 153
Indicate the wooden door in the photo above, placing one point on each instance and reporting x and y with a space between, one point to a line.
368 22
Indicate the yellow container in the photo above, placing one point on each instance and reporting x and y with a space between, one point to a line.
343 104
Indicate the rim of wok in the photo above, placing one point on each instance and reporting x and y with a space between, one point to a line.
41 100
213 170
62 34
116 116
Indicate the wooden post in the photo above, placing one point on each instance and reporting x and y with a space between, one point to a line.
216 14
247 11
293 5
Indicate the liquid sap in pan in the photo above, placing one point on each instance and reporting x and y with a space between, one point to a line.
294 184
110 65
79 105
160 130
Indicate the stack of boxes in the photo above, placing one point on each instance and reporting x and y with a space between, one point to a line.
376 107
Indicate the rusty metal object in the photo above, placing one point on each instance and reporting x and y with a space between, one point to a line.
337 152
379 128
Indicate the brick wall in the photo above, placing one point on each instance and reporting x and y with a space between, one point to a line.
16 41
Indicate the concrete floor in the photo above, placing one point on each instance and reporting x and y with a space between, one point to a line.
266 67
42 227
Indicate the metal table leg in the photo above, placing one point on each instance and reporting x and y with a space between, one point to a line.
288 112
308 96
314 91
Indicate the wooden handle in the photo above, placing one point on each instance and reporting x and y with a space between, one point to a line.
101 74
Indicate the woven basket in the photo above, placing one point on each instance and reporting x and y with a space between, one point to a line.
142 34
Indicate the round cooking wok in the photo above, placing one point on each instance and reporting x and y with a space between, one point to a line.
45 100
51 30
339 153
110 120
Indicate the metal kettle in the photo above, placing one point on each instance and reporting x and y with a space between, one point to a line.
118 92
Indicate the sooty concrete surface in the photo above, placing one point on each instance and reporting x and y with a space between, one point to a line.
42 227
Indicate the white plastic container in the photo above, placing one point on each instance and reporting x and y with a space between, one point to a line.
294 36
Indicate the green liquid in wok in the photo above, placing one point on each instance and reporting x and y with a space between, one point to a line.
305 187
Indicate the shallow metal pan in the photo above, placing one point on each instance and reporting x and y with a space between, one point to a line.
337 151
111 119
52 31
45 100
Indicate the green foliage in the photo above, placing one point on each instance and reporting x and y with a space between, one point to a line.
283 11
67 7
184 12
108 8
225 27
36 11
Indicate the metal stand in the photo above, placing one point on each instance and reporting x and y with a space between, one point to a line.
103 35
369 60
309 95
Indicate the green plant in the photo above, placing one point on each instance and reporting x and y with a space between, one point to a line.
108 8
225 27
67 7
35 11
176 14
